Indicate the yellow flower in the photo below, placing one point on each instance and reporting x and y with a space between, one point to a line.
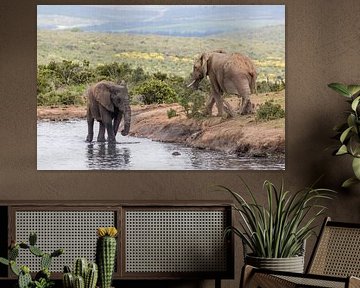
107 231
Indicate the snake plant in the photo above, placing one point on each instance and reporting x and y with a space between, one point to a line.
349 132
280 228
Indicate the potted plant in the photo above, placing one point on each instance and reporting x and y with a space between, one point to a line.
42 278
349 132
274 235
84 274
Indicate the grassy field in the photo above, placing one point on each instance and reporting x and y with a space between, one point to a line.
167 54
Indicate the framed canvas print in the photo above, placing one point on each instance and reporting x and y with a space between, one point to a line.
161 87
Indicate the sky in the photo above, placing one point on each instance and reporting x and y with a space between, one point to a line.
158 19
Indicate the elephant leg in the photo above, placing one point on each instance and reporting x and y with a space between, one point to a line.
243 89
90 122
110 131
117 121
101 135
228 109
219 103
209 105
246 106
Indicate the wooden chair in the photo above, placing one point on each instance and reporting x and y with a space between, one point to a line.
335 262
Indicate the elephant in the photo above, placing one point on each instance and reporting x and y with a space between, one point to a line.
107 103
232 73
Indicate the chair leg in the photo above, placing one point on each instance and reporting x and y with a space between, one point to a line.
217 282
246 273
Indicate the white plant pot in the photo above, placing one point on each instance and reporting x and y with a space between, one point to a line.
291 264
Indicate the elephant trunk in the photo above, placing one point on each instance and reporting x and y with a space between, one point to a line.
127 118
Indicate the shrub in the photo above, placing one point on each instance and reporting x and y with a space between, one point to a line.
138 75
171 113
114 71
160 76
266 86
155 91
193 101
72 95
269 111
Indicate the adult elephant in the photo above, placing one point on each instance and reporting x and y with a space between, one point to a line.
232 73
107 103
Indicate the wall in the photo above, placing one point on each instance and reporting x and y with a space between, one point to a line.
322 46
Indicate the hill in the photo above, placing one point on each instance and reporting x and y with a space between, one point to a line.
167 54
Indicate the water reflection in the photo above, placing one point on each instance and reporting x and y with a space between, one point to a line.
62 146
107 156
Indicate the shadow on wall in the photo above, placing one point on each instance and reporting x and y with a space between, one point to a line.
330 171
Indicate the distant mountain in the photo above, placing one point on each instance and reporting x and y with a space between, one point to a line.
172 20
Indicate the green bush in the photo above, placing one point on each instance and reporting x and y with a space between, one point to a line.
138 75
160 76
72 95
269 111
193 103
171 113
266 86
114 71
155 91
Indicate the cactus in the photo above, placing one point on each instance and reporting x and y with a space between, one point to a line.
45 261
87 272
14 252
23 273
24 245
79 282
44 273
36 251
81 265
14 268
105 254
32 239
24 277
57 253
91 276
4 261
68 278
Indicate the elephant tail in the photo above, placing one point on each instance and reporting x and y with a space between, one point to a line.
252 83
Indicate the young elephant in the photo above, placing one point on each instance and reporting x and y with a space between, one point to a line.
232 73
107 103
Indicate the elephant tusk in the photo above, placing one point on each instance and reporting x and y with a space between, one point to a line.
192 83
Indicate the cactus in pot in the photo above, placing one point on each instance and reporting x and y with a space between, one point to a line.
42 278
105 254
85 275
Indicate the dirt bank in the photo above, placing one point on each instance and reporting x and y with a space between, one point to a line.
241 134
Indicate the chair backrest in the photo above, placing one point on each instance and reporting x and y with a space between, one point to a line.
337 251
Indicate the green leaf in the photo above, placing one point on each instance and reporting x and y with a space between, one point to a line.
14 268
4 261
354 145
349 182
345 134
341 89
353 89
355 103
351 120
342 150
356 167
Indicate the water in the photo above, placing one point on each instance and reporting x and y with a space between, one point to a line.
62 146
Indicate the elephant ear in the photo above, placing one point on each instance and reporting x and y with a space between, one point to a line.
103 96
204 63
